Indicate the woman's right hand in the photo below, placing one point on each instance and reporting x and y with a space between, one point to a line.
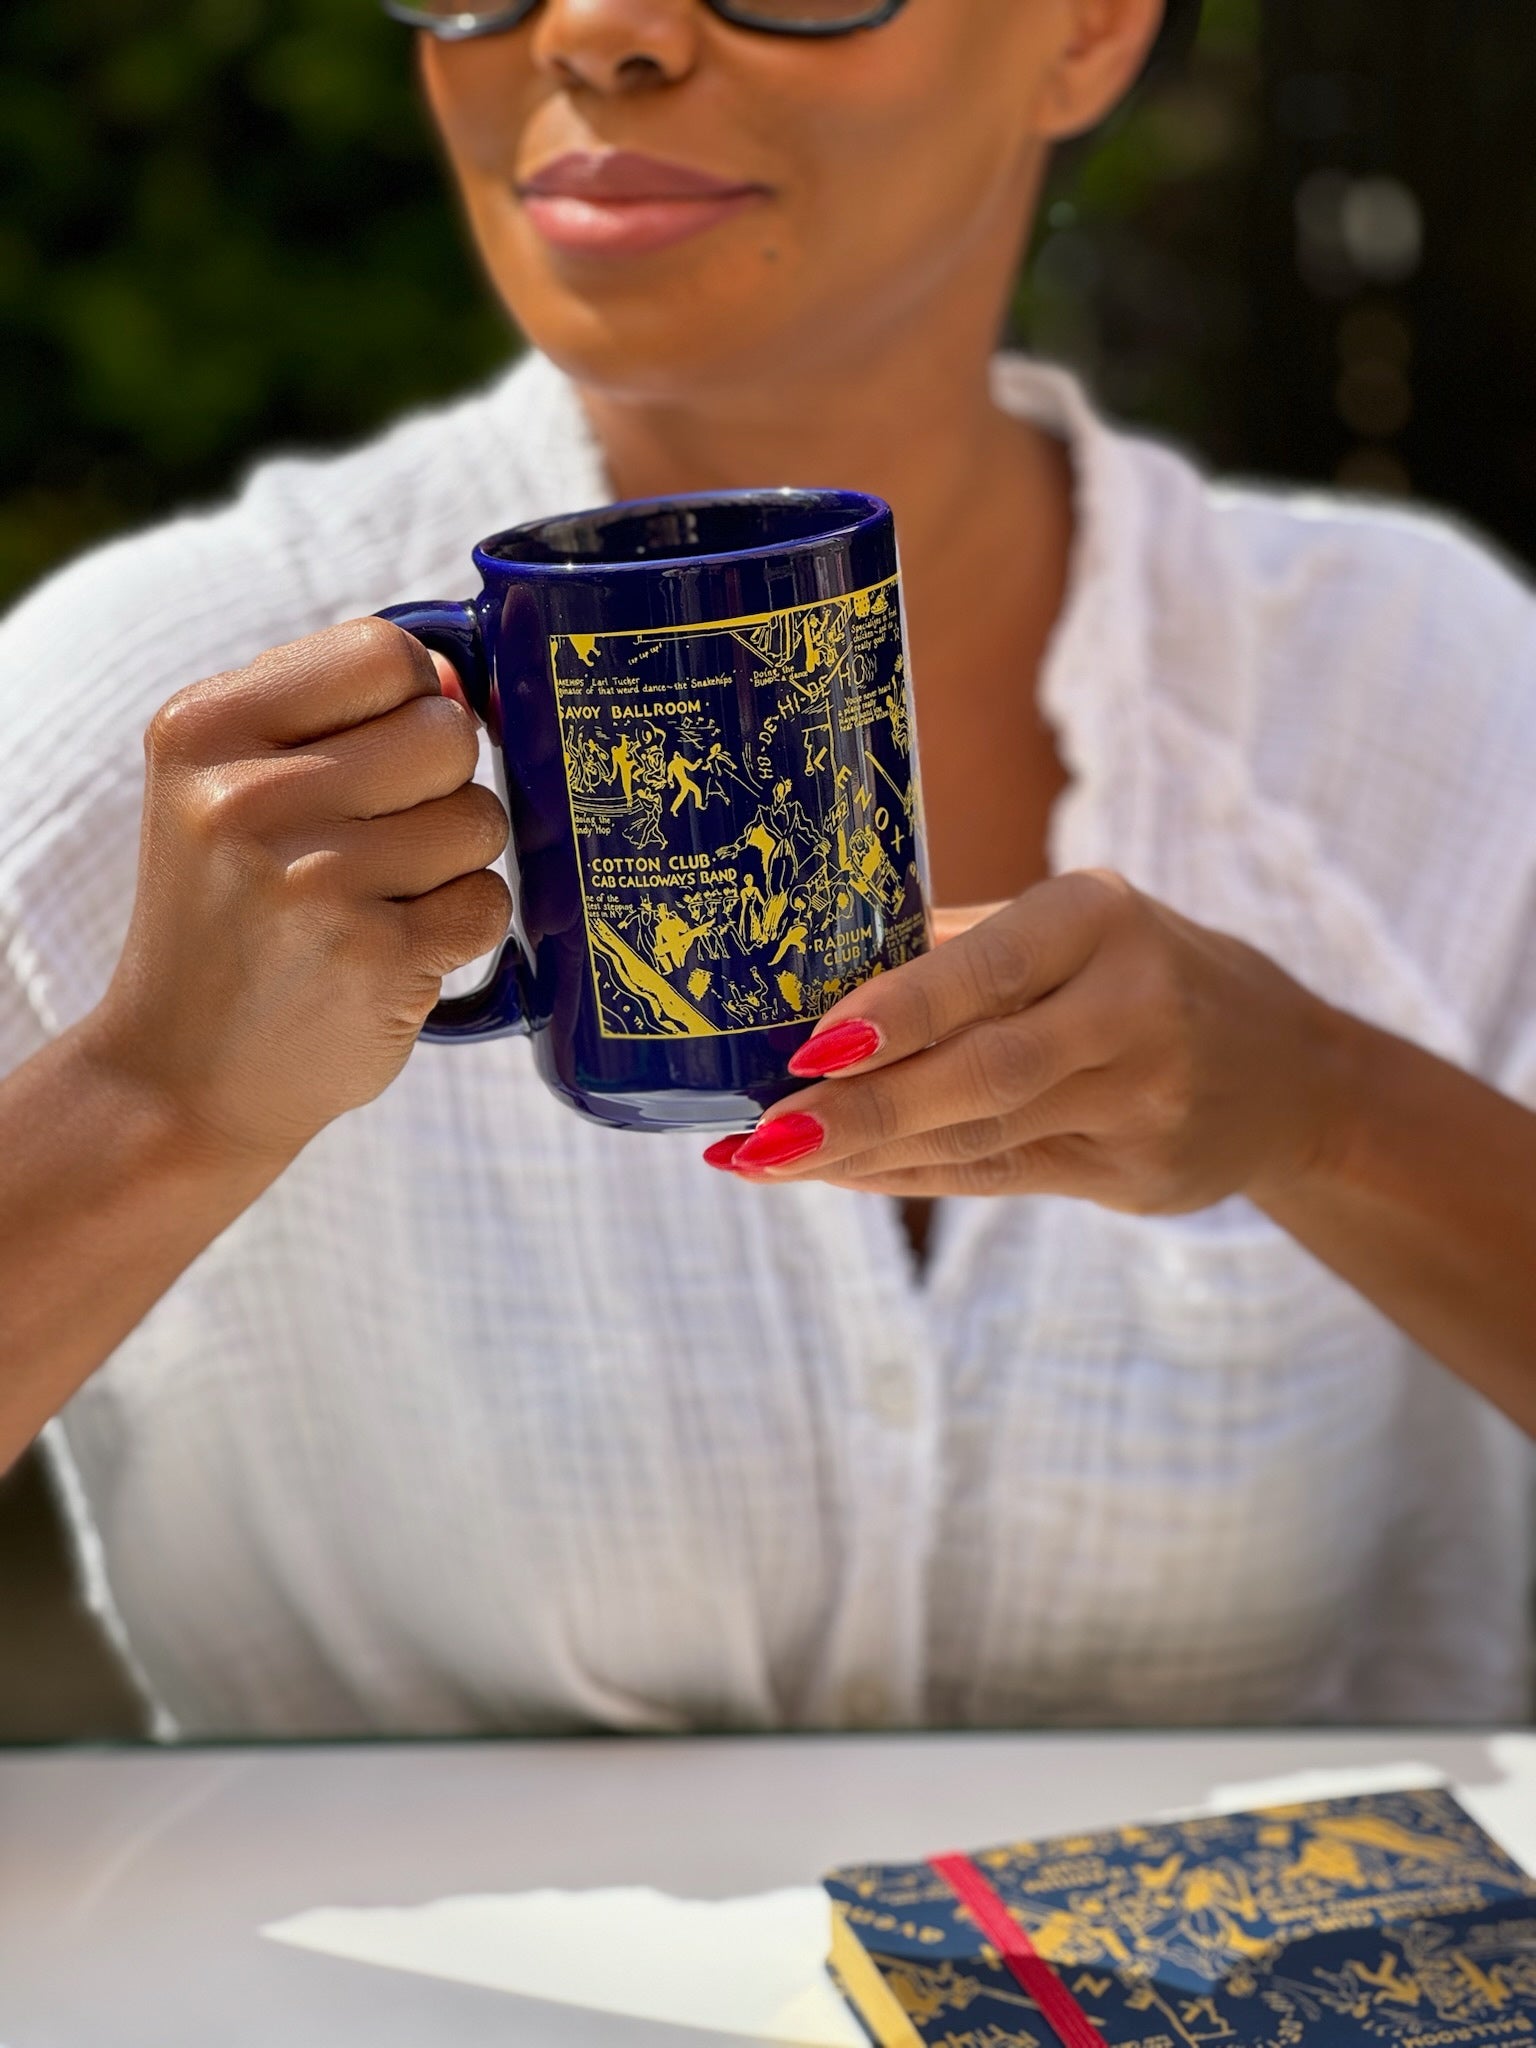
314 860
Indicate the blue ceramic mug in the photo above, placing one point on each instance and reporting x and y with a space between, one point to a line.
702 713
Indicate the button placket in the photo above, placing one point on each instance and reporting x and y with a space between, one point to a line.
873 1674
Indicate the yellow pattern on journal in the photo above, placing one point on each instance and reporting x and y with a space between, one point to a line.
744 805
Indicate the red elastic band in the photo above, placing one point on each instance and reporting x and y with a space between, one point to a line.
1028 1968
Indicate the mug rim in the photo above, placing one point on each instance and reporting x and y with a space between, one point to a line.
864 512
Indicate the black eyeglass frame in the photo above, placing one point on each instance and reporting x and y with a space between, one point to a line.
470 22
1178 33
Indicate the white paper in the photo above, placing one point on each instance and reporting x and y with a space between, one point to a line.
1343 1783
1508 1809
752 1966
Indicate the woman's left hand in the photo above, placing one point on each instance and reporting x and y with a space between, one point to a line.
1082 1040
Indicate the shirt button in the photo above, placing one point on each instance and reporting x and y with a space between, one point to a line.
892 1393
866 1702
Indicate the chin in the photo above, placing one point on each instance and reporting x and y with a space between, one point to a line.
661 327
655 355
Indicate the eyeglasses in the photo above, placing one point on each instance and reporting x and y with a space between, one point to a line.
452 21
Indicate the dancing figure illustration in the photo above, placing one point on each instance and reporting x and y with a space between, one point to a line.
674 940
624 766
750 905
682 771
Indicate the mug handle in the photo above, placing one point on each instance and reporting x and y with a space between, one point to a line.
497 1008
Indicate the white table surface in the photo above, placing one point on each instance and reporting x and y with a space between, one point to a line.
133 1883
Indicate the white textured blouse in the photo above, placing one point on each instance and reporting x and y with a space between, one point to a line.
485 1418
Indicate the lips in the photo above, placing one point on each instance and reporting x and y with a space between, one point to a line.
618 202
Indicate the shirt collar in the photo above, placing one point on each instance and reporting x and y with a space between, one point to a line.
1093 681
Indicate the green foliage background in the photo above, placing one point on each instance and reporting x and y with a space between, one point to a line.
224 228
1137 276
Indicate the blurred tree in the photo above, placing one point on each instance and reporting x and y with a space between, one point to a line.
1395 315
1137 275
224 228
1307 256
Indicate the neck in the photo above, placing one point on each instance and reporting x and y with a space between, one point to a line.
919 431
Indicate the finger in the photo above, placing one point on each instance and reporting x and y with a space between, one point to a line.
1053 1167
450 682
1026 950
417 851
1082 1106
984 1073
456 923
422 750
327 683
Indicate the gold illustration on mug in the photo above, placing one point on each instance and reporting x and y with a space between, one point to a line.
746 813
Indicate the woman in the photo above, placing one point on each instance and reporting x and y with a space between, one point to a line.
454 1413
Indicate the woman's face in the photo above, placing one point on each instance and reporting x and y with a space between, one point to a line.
842 185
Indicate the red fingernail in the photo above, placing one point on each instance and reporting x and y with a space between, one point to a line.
776 1144
840 1045
722 1154
449 682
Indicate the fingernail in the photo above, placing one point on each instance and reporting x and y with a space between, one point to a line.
840 1045
777 1143
449 682
722 1154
